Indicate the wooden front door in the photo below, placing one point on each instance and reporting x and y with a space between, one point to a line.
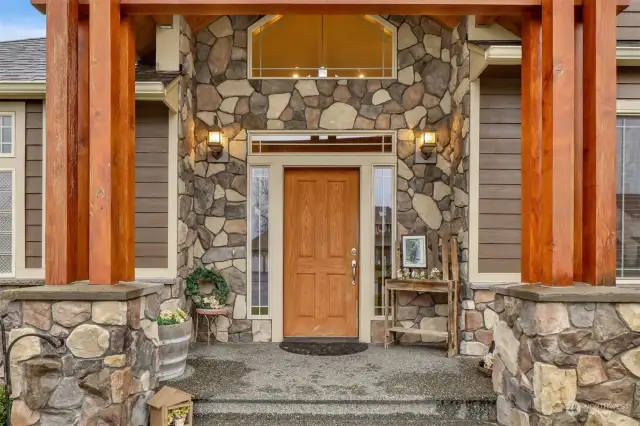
321 227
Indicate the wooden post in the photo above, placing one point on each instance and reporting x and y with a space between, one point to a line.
104 29
82 256
599 230
125 154
558 70
531 148
577 174
61 152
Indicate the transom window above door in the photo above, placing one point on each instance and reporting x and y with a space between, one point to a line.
322 46
355 143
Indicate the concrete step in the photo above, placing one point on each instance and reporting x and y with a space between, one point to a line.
475 412
329 420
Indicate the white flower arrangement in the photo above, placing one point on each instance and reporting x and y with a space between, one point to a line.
435 274
207 302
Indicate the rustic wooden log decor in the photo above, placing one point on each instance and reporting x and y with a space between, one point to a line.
441 254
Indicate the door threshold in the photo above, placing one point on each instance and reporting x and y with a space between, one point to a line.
320 339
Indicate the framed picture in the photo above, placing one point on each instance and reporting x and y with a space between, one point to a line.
414 251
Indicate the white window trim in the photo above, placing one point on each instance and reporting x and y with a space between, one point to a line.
15 164
388 25
626 107
13 133
249 253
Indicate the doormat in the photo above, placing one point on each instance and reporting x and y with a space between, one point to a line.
324 348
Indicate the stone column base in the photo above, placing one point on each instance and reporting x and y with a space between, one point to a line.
567 356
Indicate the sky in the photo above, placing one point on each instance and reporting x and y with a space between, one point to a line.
18 20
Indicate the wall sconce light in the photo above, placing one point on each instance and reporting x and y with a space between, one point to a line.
214 142
426 144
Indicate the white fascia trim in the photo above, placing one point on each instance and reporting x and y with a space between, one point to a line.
512 55
145 90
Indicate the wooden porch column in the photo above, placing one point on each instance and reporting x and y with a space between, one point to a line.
82 256
531 147
125 154
578 145
104 34
558 70
61 152
599 171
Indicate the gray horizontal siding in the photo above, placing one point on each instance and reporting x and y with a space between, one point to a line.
629 23
33 184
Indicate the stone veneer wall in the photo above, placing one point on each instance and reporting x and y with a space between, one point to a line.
567 363
103 375
432 87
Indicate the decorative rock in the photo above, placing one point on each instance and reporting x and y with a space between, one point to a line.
504 409
468 304
88 341
307 88
497 376
414 116
432 45
208 97
21 415
220 56
407 312
67 395
484 296
440 190
473 349
40 378
554 389
412 97
544 318
235 88
110 313
600 417
428 210
261 330
277 103
473 320
37 314
406 37
338 116
229 105
240 307
607 324
630 313
121 381
380 97
405 76
631 360
590 371
433 324
484 336
25 348
615 393
507 346
115 360
221 27
98 383
442 310
424 300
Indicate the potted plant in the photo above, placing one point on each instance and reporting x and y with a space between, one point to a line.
178 416
214 303
174 334
208 305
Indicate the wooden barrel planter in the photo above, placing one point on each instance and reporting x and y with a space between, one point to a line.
173 349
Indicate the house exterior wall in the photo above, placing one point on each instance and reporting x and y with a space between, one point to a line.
629 23
432 87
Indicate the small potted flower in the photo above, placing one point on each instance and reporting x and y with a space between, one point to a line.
177 416
174 335
209 305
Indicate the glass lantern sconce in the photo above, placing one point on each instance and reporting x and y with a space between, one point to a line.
214 142
426 144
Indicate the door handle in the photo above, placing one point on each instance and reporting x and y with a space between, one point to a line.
354 264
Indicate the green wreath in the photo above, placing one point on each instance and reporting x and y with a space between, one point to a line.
221 288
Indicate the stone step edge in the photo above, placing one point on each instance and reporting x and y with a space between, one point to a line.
484 411
480 400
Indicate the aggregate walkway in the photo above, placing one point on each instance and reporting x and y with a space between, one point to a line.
265 373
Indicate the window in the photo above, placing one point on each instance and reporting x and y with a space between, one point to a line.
259 241
345 143
628 197
6 222
383 232
6 134
322 46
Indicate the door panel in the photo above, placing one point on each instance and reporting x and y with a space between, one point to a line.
321 216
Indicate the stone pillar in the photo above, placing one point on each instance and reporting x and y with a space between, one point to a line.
567 356
106 370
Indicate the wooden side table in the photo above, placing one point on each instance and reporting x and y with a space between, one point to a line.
209 316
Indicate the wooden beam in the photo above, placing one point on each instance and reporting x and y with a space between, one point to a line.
531 148
578 169
599 231
104 49
61 131
126 151
558 71
83 150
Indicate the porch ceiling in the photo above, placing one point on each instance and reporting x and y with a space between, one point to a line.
265 7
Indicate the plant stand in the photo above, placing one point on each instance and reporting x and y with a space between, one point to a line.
446 285
209 315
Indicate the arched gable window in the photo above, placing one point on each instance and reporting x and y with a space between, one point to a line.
322 46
